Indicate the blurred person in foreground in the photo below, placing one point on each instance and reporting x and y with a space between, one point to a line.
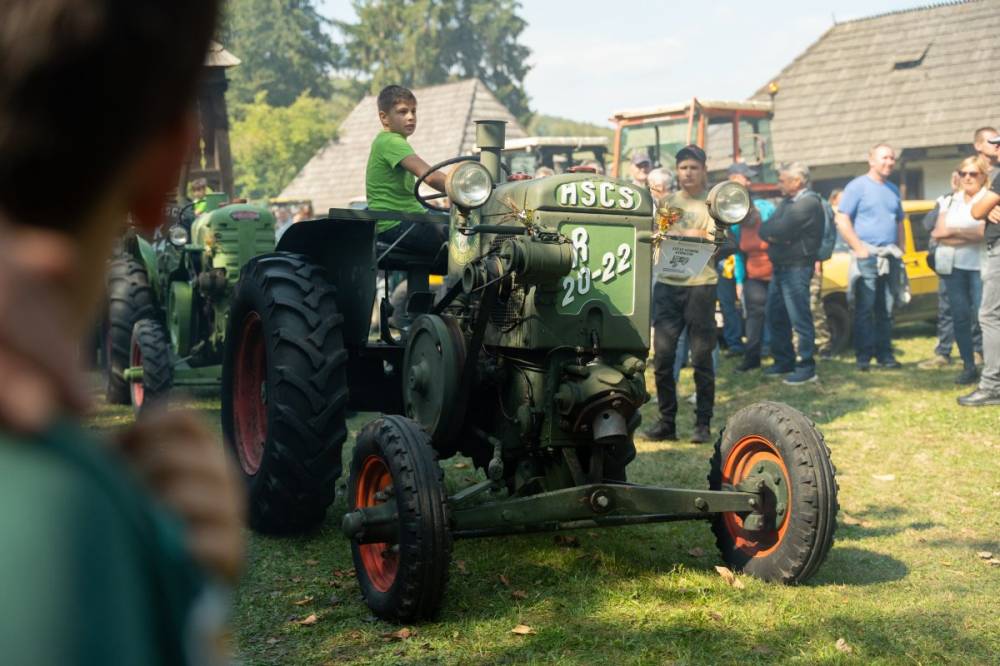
119 551
868 220
957 258
988 209
793 234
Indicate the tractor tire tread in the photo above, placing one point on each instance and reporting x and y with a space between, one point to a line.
425 536
130 298
814 506
307 390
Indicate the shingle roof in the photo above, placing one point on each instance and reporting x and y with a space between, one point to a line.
335 176
914 78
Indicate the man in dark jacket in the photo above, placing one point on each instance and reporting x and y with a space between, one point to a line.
794 234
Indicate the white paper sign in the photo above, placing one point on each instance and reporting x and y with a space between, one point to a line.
681 259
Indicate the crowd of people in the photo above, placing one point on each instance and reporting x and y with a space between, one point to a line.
768 282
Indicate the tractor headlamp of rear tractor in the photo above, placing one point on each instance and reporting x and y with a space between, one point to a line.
728 202
178 235
469 185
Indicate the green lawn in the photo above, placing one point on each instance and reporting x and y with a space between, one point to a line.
903 584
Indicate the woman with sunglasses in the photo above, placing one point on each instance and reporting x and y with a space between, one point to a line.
958 257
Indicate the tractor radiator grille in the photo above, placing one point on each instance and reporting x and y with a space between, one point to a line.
507 310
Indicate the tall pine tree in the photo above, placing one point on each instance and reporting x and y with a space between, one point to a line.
284 50
424 42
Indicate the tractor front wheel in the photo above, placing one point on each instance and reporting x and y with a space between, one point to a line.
404 579
150 351
130 298
794 532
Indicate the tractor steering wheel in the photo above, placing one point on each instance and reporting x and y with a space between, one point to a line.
424 201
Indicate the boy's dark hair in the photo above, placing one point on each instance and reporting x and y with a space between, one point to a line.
392 94
82 84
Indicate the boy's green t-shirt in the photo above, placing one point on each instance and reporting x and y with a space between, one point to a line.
388 185
92 571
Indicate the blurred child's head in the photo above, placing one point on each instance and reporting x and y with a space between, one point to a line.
96 117
397 109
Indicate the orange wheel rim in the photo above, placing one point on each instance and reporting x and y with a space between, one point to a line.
137 387
380 560
743 457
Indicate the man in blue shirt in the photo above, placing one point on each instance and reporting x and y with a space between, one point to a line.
868 219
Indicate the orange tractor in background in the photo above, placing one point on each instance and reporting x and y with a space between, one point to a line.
727 131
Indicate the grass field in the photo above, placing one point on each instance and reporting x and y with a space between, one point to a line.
904 582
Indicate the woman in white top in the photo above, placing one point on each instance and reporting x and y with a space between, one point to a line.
958 257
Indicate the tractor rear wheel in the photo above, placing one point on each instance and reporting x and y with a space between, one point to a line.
130 298
403 580
801 518
151 352
284 390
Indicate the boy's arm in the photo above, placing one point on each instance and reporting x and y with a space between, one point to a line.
415 165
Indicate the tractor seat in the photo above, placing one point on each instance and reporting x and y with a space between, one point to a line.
405 260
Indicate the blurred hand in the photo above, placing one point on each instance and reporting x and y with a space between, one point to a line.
38 356
994 215
185 467
863 253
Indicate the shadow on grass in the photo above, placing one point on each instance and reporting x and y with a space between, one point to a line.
699 637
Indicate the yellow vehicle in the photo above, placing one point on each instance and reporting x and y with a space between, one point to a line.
923 281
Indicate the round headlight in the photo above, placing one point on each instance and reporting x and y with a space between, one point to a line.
178 235
729 202
469 185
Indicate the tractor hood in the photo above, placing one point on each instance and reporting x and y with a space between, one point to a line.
570 193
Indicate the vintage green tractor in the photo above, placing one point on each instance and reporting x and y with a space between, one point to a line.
531 364
168 299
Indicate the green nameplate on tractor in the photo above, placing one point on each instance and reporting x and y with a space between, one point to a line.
603 268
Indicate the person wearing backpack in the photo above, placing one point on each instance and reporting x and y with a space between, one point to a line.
824 339
795 236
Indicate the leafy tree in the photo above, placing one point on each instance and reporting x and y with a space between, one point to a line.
271 144
424 42
284 50
542 125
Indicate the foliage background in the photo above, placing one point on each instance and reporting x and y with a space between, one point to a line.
302 74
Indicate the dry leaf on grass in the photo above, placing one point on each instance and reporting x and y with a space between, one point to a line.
985 555
842 645
715 616
504 580
403 634
884 477
519 594
309 620
303 601
460 565
273 641
730 577
567 541
760 649
312 563
522 630
995 562
696 552
851 520
461 465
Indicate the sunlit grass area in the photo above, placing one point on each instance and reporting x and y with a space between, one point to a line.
904 583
